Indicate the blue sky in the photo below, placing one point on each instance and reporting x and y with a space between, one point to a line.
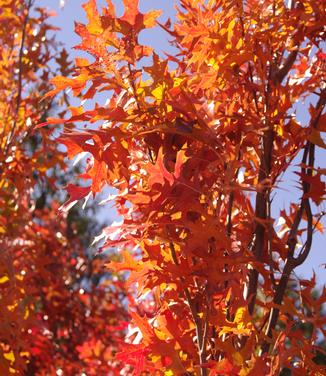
72 11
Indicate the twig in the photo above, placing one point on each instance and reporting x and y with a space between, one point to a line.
229 233
201 335
292 261
270 243
20 78
276 76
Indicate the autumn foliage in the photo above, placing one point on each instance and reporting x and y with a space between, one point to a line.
58 311
196 145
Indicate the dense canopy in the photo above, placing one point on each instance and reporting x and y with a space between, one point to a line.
196 145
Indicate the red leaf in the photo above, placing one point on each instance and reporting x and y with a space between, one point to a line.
76 193
158 173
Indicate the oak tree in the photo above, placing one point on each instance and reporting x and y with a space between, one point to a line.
196 145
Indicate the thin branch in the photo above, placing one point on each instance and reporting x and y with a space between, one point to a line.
305 207
261 212
20 77
205 332
270 243
281 73
201 335
249 65
132 85
229 233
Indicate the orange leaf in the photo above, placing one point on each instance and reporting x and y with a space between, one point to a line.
316 139
76 193
128 263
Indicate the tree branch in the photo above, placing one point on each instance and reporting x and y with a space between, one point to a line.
261 213
281 73
200 333
292 262
20 77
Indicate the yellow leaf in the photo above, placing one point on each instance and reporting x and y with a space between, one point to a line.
177 81
279 130
307 8
150 18
12 307
26 313
242 318
155 358
160 335
139 90
125 144
183 356
230 30
9 356
163 286
158 92
4 279
176 215
94 25
239 44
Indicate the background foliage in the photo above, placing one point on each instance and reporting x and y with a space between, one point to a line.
58 311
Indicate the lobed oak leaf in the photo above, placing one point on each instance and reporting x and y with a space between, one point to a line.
150 18
317 188
75 143
76 193
131 11
158 174
94 25
128 263
134 355
136 19
61 83
98 174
